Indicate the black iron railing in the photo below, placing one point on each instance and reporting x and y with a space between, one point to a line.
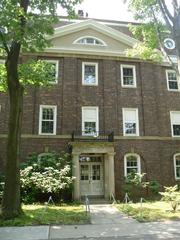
92 136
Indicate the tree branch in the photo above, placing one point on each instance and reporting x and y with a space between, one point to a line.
165 14
4 43
160 41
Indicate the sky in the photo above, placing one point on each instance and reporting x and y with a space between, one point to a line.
105 9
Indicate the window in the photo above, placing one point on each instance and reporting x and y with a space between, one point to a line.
172 82
132 163
175 123
89 40
90 74
47 120
128 76
177 165
90 124
54 73
130 122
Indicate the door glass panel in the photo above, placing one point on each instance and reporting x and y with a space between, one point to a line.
84 172
95 172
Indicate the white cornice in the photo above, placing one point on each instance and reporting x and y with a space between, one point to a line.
74 27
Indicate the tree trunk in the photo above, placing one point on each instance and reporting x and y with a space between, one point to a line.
11 205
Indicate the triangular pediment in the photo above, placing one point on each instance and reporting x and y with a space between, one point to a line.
116 42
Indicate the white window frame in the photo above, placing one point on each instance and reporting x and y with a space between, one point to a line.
137 121
175 170
54 107
167 80
97 119
96 73
138 163
134 75
172 132
56 62
91 44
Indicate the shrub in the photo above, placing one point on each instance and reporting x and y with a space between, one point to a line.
172 196
48 175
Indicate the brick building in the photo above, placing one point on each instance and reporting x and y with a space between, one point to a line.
118 114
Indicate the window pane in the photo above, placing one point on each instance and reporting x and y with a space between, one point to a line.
178 172
84 172
47 114
90 127
128 77
90 74
176 129
90 40
130 128
172 76
132 170
96 172
47 126
173 85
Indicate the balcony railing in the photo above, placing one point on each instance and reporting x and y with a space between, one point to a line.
92 136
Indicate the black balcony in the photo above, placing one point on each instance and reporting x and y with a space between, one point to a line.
92 137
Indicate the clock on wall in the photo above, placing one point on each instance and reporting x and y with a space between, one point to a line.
169 43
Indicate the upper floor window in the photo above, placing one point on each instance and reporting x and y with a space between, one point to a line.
89 40
47 119
177 165
54 73
132 163
90 121
90 73
128 76
172 82
175 123
130 122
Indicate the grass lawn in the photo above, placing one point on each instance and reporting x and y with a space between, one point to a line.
150 211
40 215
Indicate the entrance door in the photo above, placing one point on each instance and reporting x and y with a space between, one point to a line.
91 179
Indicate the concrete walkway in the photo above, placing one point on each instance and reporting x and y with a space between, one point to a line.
107 224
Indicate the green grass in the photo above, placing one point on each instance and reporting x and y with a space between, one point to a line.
150 211
40 215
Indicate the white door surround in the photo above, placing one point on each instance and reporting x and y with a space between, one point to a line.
85 148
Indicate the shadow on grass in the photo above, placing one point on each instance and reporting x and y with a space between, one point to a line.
42 215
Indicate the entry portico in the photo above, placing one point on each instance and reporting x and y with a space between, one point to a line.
93 169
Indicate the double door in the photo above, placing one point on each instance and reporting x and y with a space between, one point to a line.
91 179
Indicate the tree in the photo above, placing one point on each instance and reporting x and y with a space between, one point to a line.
24 27
157 22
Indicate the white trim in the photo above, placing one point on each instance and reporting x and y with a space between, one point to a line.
96 73
119 36
54 107
137 121
138 162
134 75
95 38
167 80
97 118
172 132
175 172
56 62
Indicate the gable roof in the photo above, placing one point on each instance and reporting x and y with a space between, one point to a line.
104 29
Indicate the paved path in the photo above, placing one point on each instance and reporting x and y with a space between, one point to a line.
107 224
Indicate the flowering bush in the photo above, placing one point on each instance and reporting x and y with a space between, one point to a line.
46 175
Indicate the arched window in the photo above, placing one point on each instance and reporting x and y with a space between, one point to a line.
89 40
132 163
177 166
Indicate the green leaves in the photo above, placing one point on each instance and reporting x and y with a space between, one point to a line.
171 195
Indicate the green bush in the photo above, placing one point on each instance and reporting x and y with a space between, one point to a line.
48 175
